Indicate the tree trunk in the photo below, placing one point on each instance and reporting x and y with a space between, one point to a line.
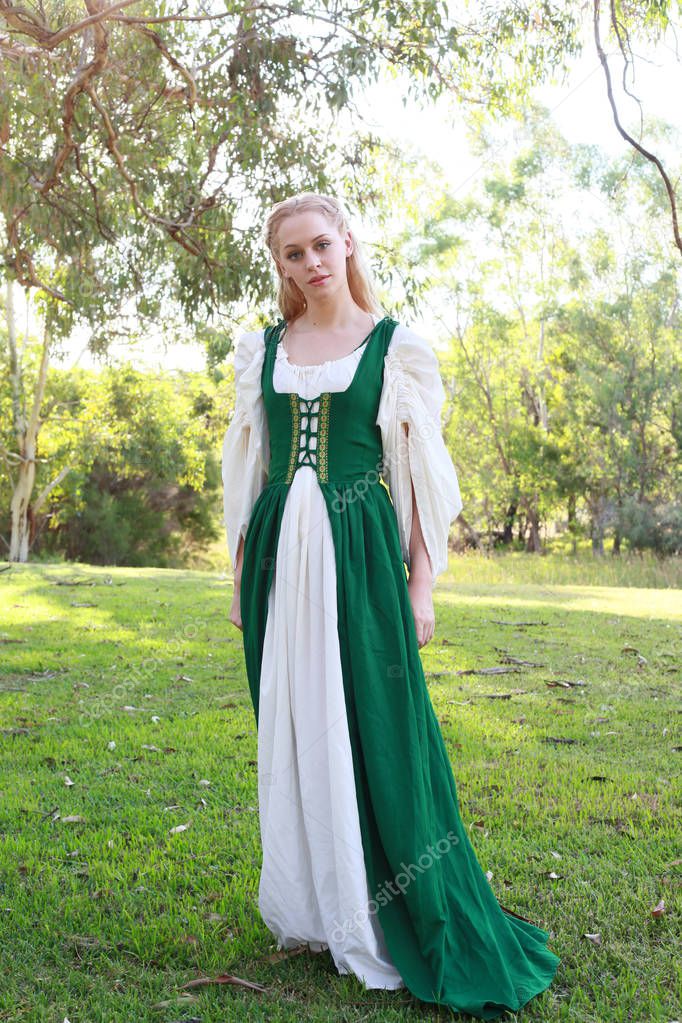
533 543
597 506
472 534
508 532
26 434
616 533
573 522
20 536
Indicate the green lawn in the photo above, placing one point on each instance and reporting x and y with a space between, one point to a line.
106 917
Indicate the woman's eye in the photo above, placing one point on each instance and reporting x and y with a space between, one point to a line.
320 245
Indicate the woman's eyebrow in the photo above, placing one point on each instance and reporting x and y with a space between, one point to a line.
292 245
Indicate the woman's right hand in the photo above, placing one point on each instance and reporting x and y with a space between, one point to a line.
235 610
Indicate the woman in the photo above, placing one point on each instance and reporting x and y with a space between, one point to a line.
364 851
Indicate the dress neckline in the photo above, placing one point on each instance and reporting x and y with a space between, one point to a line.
282 353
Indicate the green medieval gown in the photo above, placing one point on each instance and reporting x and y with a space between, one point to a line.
364 850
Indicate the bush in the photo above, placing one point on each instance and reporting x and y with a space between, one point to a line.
649 526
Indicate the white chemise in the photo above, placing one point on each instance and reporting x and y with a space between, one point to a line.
313 885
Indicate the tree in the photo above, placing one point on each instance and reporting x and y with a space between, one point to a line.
139 145
562 323
626 20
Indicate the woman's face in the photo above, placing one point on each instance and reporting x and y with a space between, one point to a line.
312 253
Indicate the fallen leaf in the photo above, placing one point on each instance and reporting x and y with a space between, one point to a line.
172 1003
594 938
659 910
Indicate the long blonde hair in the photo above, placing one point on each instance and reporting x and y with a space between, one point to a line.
290 298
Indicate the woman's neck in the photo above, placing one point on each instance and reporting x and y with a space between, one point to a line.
333 315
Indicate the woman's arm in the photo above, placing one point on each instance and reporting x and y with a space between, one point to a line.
420 562
238 561
236 609
419 583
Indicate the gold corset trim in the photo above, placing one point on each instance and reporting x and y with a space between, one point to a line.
308 441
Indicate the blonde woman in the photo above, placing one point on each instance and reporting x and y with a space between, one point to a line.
336 479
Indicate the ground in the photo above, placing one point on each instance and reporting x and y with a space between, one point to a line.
130 853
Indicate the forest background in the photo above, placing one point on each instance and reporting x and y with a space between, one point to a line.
140 146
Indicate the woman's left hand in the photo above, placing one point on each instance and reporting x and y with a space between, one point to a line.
421 598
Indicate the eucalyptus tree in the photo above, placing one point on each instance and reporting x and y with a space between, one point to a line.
559 292
500 259
141 143
617 364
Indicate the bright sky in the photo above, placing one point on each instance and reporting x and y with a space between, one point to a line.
579 107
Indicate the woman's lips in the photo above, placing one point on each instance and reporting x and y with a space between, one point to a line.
319 280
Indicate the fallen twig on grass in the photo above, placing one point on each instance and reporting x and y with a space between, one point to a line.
224 978
510 659
496 621
498 670
504 696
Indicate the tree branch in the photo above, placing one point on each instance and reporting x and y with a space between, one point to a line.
628 138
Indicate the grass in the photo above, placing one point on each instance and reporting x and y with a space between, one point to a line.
106 917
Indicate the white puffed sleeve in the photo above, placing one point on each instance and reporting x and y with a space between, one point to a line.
413 393
246 445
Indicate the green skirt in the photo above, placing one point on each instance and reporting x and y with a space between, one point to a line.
449 938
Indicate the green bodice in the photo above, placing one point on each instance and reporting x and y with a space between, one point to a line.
336 432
